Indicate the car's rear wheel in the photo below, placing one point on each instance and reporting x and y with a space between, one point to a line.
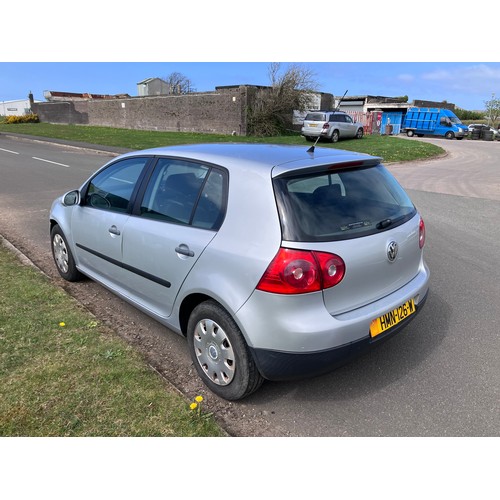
63 258
335 136
410 133
309 138
220 353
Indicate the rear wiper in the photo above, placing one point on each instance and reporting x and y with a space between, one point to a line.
383 224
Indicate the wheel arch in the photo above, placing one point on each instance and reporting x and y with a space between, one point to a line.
187 306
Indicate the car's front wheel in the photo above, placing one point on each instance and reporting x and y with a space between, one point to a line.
359 133
449 135
63 257
220 353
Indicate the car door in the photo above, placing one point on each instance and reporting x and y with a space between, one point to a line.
172 223
350 127
97 224
339 124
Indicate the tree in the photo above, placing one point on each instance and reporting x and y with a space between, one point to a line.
291 89
179 83
492 108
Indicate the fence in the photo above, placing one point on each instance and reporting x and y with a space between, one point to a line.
366 119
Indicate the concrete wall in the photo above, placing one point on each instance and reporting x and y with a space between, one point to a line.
67 112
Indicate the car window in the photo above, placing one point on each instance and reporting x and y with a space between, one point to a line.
343 205
111 189
185 192
210 209
316 117
337 118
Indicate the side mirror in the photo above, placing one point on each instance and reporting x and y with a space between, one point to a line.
71 198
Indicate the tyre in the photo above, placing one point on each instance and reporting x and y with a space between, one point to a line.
309 138
335 136
488 135
410 133
63 258
449 135
220 354
359 133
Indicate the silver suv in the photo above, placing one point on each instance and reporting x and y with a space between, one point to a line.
274 262
331 125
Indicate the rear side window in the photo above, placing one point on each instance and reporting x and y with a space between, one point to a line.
185 192
340 205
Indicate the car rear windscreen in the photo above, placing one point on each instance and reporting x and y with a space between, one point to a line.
340 204
315 117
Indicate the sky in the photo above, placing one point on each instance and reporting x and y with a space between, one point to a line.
466 84
425 51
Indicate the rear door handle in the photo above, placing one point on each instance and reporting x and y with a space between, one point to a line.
114 230
184 250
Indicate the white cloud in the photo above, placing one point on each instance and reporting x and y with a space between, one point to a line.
406 77
467 77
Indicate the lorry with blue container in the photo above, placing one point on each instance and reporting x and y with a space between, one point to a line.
433 121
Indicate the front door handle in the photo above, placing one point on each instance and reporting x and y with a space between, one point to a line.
184 250
114 230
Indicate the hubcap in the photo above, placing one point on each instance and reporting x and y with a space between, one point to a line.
60 253
214 352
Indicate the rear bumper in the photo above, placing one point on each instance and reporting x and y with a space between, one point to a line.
279 366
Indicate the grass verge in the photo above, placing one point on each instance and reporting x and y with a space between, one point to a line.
65 374
390 148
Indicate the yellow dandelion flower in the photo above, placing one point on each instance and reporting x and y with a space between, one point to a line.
193 406
198 399
62 323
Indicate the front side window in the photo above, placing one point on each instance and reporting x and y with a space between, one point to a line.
184 192
340 205
112 188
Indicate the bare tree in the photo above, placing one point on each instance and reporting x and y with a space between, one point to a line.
179 83
492 109
291 89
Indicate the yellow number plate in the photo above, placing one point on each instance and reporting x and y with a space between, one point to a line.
392 318
312 124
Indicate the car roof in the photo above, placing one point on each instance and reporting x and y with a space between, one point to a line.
260 157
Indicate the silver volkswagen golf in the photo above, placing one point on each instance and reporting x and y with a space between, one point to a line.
276 262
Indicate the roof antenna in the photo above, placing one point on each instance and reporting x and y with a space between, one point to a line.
311 149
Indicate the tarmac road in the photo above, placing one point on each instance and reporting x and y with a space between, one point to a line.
439 377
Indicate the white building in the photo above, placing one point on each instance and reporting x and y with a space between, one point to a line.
15 108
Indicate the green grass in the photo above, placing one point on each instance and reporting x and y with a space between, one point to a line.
391 149
65 374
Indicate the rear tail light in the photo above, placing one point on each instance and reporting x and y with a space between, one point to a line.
326 126
302 271
421 233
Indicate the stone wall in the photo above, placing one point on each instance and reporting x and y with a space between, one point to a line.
223 111
214 112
